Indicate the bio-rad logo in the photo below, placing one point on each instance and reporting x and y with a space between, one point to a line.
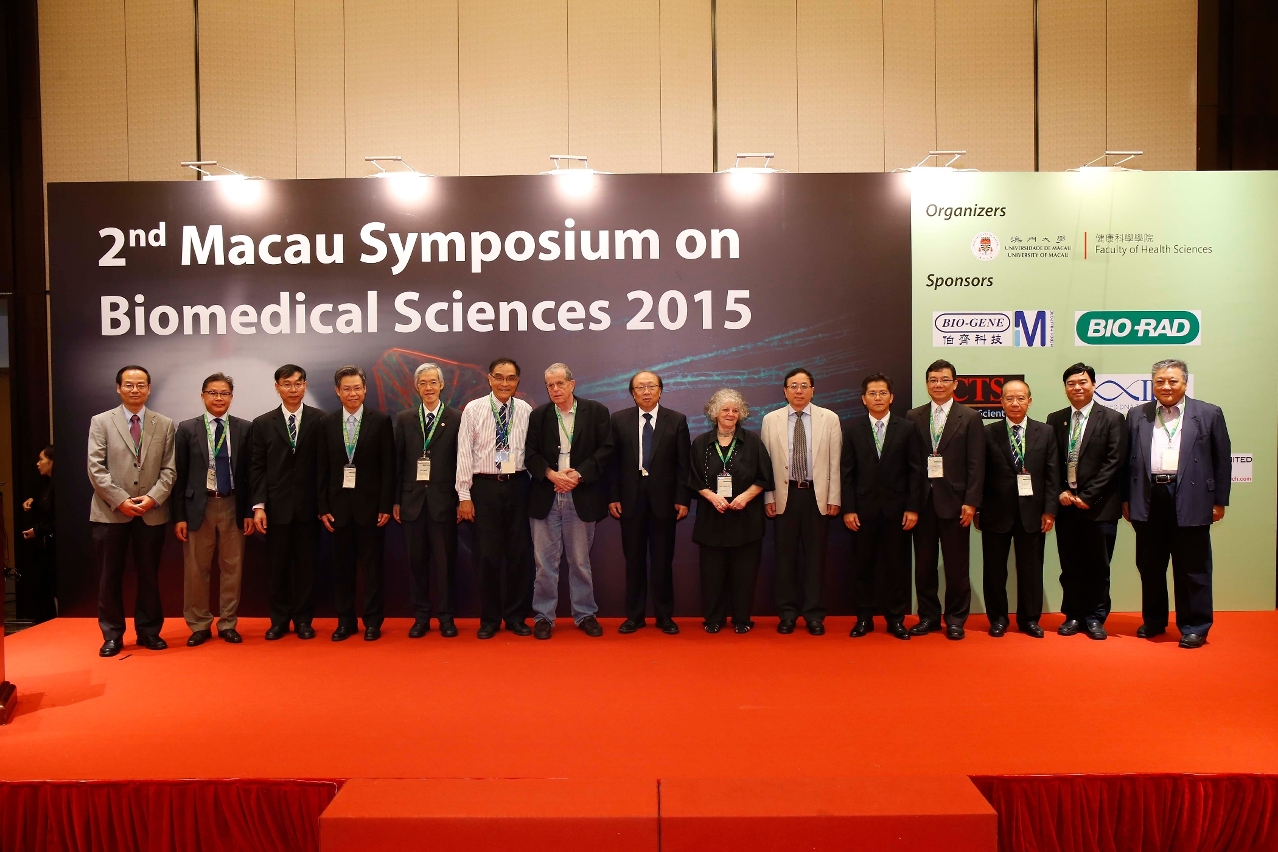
985 246
1123 391
992 328
1137 328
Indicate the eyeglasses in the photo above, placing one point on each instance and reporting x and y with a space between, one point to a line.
644 388
798 386
938 381
431 383
130 386
291 386
503 379
218 394
878 394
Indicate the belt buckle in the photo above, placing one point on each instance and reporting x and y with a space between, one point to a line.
504 477
804 483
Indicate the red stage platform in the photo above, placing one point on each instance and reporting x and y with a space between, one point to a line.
652 707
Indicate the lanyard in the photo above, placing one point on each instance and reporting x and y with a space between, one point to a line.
1076 431
1171 433
292 433
503 429
559 416
428 437
137 448
931 425
1018 445
351 443
732 448
216 448
879 437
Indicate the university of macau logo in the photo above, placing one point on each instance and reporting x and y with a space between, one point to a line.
1137 328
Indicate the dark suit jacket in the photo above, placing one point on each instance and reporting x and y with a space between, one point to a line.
590 456
892 483
374 491
1101 456
279 478
191 452
668 469
440 494
962 447
1002 499
1206 466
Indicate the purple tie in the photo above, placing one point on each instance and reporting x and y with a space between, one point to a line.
135 429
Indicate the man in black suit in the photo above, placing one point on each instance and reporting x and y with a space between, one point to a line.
1091 445
356 479
649 494
1177 485
882 469
1022 483
568 452
212 509
426 506
282 478
954 438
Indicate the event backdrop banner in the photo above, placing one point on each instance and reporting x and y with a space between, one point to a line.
713 280
1022 275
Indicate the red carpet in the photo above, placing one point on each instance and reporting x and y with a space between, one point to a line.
648 705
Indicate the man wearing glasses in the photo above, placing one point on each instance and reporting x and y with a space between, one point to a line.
954 440
492 485
212 509
804 442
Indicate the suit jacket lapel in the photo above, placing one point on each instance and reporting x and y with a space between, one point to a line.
148 436
950 426
281 425
1007 444
1093 423
1189 428
121 421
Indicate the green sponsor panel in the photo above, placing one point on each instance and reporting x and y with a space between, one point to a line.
1025 274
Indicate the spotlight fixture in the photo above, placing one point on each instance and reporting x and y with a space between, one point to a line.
202 167
1107 166
406 184
574 181
765 169
382 172
947 167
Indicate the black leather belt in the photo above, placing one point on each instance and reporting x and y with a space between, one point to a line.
216 494
1164 478
496 477
794 483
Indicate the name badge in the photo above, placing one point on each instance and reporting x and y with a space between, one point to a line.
1071 474
935 467
723 486
1024 485
1171 459
423 469
503 455
507 466
348 476
210 478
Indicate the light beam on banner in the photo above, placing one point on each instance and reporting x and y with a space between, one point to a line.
407 185
748 181
238 189
921 176
574 181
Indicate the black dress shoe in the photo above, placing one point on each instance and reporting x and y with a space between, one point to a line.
486 631
1193 640
342 633
372 634
110 648
446 628
419 629
1095 630
816 628
668 627
863 627
954 632
785 627
519 628
542 629
278 631
590 626
199 637
1147 632
630 625
924 627
305 631
152 643
1032 628
712 627
1069 627
230 635
998 628
898 630
743 627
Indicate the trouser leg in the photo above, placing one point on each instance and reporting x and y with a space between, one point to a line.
110 546
714 583
148 546
637 524
578 538
743 576
345 568
955 552
994 550
230 562
927 552
370 542
548 548
1029 573
197 563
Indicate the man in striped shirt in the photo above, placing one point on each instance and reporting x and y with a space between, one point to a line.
492 485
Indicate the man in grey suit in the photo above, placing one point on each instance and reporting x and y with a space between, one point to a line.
131 467
1179 470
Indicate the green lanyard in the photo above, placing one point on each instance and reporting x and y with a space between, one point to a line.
878 438
1171 433
732 448
218 447
931 425
562 428
1076 432
502 429
421 418
1018 444
351 443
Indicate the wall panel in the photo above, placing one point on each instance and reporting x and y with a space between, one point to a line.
840 67
1071 82
909 81
321 89
160 61
758 80
687 103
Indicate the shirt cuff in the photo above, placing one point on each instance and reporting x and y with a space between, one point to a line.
257 506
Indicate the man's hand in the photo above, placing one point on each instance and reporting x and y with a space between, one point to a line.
1080 504
908 522
1066 499
564 481
179 530
681 512
1217 513
29 533
852 521
27 504
1127 512
466 510
128 507
395 512
966 514
383 518
259 520
614 509
249 526
1048 522
832 510
770 509
327 520
145 503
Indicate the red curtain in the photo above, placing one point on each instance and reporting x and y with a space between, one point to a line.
1134 813
231 815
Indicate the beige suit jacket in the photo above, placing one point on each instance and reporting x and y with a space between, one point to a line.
827 447
115 474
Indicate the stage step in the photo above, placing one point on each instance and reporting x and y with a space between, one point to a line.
784 814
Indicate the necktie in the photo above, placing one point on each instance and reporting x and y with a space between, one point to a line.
135 429
503 427
938 426
351 426
799 454
1074 435
223 459
645 455
878 438
1018 448
292 431
430 418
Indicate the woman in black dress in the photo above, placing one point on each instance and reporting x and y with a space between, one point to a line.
41 590
730 468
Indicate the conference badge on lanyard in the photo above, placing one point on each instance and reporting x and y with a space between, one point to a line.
723 482
210 476
348 469
1171 455
423 463
935 464
1024 485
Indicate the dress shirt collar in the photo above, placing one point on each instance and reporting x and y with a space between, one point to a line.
212 419
358 414
128 414
297 414
945 409
1178 409
884 421
794 412
439 403
1086 409
1024 422
654 411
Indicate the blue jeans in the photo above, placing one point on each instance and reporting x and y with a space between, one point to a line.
562 533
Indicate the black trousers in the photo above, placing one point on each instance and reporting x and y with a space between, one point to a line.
111 544
290 557
1029 545
802 526
946 539
649 546
728 575
358 550
432 548
1084 547
37 587
881 567
505 548
1189 548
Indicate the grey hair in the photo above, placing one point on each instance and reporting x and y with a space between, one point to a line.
722 396
1167 363
417 374
556 367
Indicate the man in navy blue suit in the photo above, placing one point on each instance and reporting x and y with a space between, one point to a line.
1176 487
